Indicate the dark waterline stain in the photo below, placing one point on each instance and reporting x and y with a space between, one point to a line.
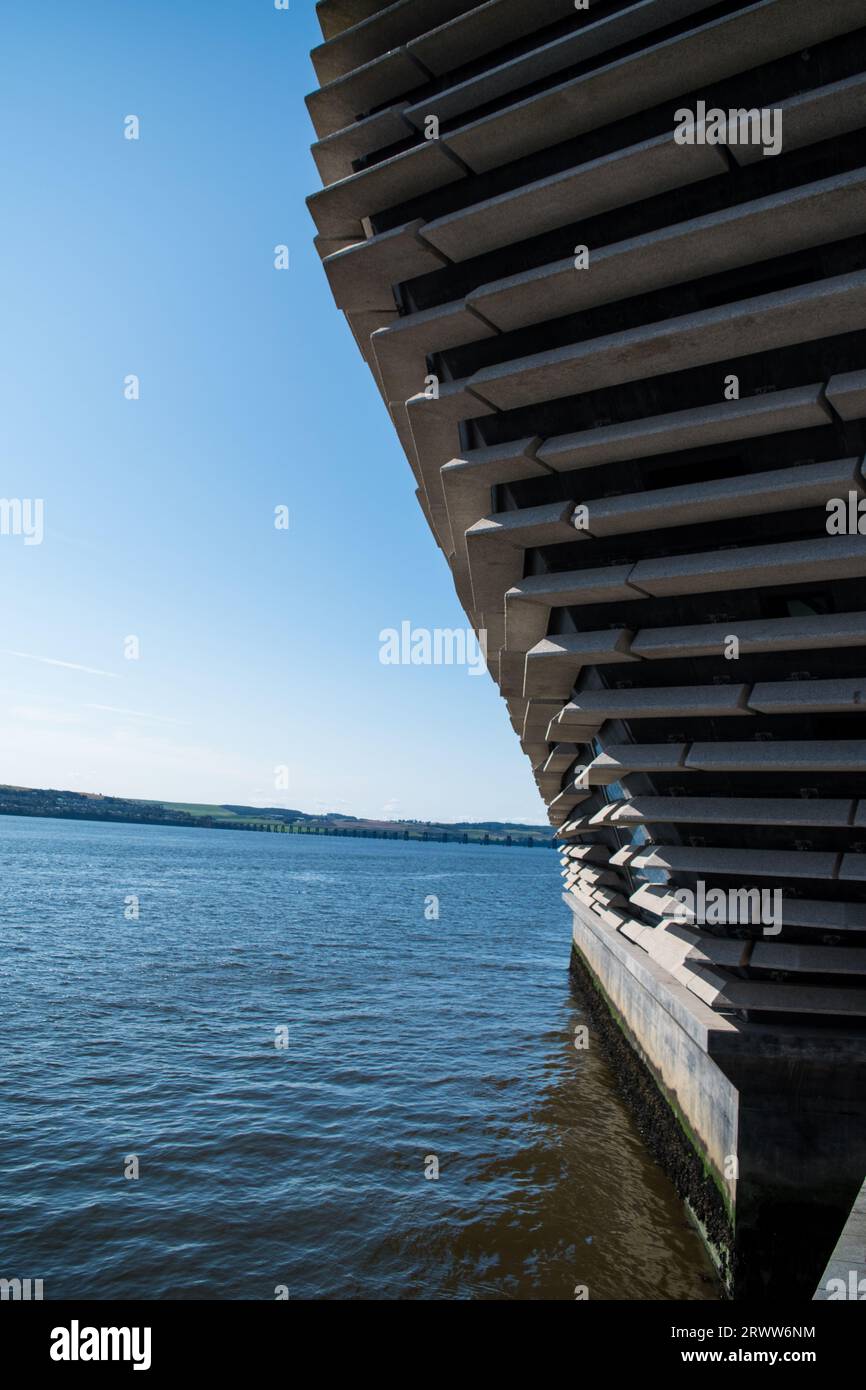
409 1039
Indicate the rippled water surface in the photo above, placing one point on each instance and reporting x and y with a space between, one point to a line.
305 1166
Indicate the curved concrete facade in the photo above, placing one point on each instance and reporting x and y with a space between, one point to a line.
608 272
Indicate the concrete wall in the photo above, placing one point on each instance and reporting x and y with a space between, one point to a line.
779 1119
671 1030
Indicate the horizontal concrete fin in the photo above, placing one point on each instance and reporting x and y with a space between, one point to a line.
338 103
672 702
792 562
379 32
611 181
703 55
719 423
419 170
561 757
677 944
567 799
604 585
770 997
814 116
765 635
847 395
799 315
335 155
362 275
706 859
853 868
730 810
585 648
780 490
779 755
486 27
527 526
618 759
336 15
589 41
552 665
832 917
778 225
812 960
585 854
823 916
809 697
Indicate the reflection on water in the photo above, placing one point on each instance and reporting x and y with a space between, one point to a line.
409 1040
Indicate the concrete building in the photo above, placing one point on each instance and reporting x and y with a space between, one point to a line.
606 265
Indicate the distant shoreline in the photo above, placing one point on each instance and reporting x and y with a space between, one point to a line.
63 805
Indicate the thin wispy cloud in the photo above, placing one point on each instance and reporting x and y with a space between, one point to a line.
135 713
67 665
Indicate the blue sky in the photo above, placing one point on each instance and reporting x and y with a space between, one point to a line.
259 648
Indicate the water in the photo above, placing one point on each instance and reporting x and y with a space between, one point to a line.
304 1166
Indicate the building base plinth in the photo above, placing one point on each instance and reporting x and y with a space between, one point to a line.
761 1127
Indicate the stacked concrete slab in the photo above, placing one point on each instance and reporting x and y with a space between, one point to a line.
629 376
